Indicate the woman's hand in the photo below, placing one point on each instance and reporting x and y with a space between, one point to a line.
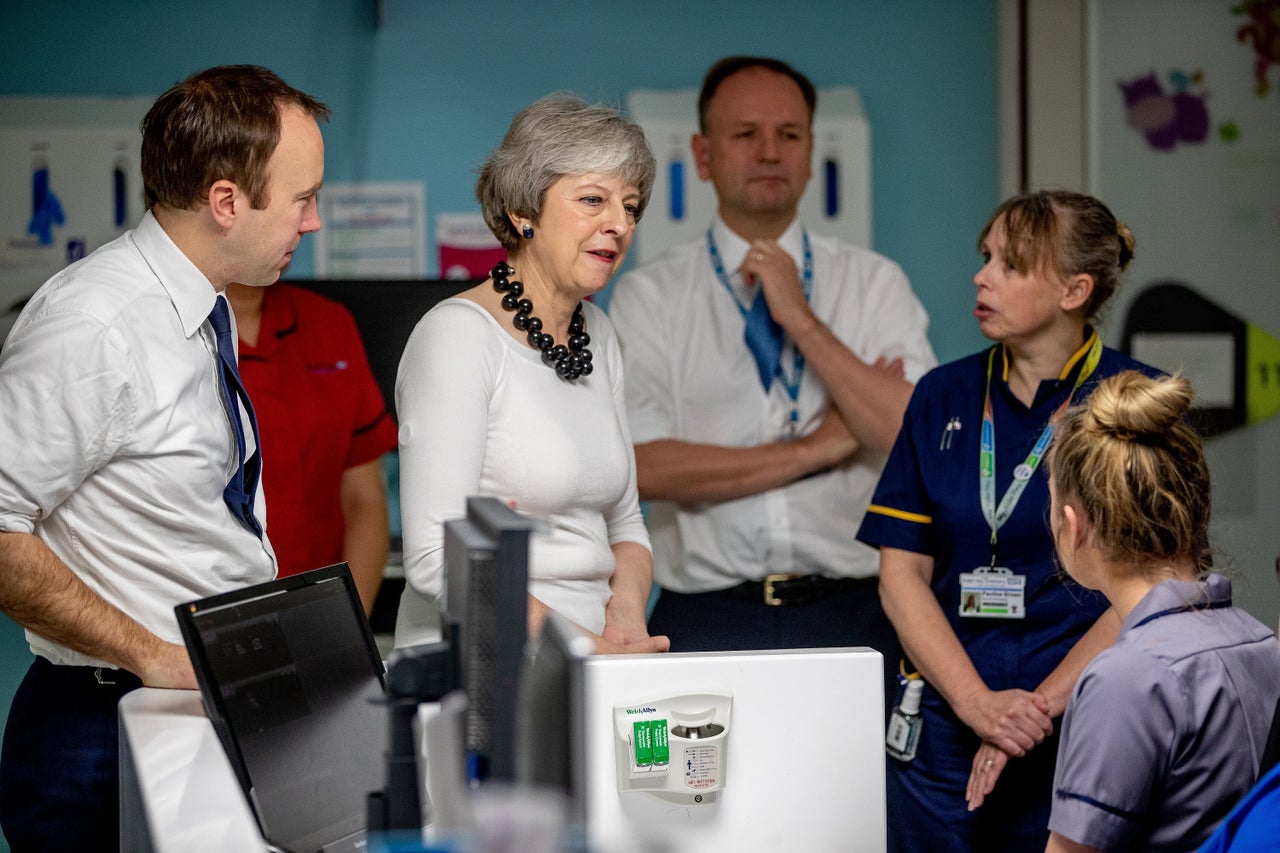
625 631
643 646
987 766
624 622
1012 720
616 639
628 635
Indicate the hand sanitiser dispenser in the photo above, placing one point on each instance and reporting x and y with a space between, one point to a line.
674 748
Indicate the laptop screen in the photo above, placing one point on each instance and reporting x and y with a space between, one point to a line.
291 677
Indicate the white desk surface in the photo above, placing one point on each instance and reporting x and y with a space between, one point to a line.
177 789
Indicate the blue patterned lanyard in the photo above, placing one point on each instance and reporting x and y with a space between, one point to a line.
997 516
792 382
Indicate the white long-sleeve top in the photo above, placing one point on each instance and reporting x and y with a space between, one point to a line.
480 414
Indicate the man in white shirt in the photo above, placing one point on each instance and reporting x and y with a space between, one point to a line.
128 459
758 471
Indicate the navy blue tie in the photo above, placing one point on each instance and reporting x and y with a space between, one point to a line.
240 492
764 338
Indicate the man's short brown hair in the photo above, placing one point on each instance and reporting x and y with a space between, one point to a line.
218 124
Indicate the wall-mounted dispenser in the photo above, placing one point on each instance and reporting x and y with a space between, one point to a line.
738 775
674 748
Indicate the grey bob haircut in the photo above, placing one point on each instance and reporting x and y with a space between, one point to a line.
558 135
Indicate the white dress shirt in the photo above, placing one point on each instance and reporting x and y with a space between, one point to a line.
115 444
691 377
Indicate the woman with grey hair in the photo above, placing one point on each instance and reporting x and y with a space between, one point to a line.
513 389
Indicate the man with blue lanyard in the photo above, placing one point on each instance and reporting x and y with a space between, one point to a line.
767 370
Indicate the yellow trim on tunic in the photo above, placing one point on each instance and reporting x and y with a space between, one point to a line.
899 513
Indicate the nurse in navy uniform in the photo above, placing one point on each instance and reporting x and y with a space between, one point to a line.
967 571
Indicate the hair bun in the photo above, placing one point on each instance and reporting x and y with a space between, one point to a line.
1131 406
1127 242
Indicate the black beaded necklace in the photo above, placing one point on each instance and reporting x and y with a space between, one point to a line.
570 361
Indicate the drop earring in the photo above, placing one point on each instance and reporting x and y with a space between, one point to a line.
527 231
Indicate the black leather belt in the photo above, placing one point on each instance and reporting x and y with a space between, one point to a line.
783 590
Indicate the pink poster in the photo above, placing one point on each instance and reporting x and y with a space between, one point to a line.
467 248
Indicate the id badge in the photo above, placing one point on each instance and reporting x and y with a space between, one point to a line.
994 593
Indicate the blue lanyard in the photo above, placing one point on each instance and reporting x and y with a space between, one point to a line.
996 516
790 383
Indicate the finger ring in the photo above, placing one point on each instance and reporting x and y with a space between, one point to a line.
988 764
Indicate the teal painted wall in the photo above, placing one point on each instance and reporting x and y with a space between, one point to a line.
14 660
429 93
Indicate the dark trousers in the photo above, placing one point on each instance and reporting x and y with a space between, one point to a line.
927 812
727 620
59 766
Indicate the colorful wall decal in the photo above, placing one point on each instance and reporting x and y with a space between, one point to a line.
1166 117
1263 33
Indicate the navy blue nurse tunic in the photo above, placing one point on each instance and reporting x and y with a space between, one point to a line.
928 502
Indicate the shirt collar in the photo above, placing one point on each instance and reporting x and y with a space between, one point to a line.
733 251
1048 391
1072 363
278 320
190 291
1175 596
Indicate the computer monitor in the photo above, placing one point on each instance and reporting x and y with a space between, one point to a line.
292 682
486 597
550 752
485 625
386 312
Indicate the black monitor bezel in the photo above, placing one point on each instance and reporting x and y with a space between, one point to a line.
211 698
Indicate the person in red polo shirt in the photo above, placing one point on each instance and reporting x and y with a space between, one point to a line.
324 427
